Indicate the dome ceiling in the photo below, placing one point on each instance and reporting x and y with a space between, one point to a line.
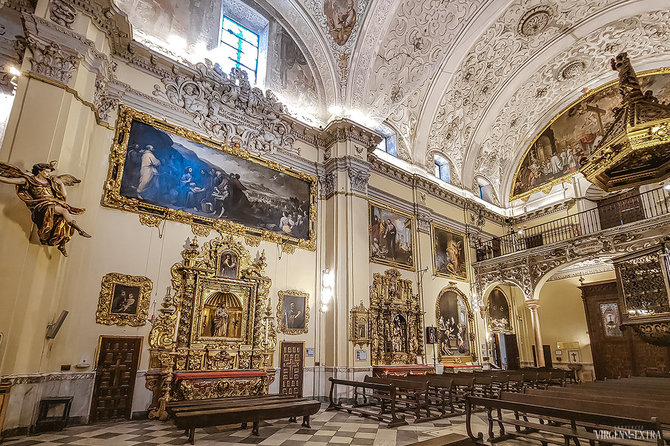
475 80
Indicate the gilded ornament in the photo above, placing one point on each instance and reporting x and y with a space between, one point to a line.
124 300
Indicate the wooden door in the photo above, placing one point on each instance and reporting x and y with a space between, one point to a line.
292 363
116 368
512 350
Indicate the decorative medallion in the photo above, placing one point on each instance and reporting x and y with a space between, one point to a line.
340 18
571 70
534 22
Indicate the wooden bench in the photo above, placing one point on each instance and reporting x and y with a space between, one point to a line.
559 426
381 391
190 415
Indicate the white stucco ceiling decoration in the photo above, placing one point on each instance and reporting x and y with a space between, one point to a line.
646 39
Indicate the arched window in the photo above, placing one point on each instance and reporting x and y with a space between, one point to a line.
388 144
442 170
243 41
485 190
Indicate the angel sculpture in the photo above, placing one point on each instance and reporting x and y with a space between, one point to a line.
45 196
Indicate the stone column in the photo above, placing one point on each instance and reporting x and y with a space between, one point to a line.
533 306
344 183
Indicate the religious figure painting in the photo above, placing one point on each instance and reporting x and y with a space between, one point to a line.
228 266
611 320
293 312
46 197
498 312
340 18
124 300
172 173
391 237
453 324
564 145
449 253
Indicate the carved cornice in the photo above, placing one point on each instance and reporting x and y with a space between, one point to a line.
342 130
543 212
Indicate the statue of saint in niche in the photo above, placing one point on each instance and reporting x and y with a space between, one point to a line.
399 334
221 322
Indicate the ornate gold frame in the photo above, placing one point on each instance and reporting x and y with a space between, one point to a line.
104 313
488 313
354 314
466 248
471 328
548 186
280 311
152 213
379 205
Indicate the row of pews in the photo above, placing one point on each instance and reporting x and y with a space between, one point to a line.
629 411
392 399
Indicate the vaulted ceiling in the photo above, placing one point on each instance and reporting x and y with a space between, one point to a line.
474 80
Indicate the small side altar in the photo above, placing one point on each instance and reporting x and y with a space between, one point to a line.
215 336
401 370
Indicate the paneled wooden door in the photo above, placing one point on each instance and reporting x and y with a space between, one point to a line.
116 368
292 364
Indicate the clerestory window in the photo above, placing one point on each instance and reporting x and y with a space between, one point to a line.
240 48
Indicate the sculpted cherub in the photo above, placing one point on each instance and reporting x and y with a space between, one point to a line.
45 196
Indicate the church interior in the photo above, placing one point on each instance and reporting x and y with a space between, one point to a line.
364 222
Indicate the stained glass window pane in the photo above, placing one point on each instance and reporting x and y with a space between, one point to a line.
239 48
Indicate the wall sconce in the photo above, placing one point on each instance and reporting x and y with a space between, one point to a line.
327 288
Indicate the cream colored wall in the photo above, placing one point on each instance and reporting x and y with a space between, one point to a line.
562 316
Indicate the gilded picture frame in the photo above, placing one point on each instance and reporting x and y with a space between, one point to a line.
450 326
359 325
124 300
209 193
450 252
395 247
292 312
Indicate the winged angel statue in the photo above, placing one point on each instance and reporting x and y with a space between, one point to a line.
45 196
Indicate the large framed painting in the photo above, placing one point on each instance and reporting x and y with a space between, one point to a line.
569 138
293 311
455 330
498 312
167 172
124 300
391 235
449 253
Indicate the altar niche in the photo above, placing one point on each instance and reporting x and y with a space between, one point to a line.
395 320
215 336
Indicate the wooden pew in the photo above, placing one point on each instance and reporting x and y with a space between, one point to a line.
558 425
381 391
242 411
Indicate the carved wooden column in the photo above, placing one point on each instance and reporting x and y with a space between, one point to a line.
533 306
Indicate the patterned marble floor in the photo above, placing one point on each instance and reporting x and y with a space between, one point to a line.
328 428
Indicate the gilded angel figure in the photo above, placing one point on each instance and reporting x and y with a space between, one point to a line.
45 196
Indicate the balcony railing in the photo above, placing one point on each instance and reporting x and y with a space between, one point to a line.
607 214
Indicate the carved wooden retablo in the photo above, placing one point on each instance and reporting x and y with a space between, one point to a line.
215 336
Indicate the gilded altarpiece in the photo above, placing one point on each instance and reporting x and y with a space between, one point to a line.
395 320
215 335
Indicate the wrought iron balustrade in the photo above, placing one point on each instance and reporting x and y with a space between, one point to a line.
607 214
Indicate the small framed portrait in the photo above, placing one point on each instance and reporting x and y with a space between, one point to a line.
124 300
293 312
359 325
431 335
228 265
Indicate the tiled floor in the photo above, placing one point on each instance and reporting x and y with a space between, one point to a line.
328 428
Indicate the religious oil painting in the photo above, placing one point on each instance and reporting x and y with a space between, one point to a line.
453 325
340 18
560 150
449 253
293 312
610 318
172 173
498 312
124 300
391 237
228 266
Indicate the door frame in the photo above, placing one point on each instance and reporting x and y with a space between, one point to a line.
91 417
281 343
